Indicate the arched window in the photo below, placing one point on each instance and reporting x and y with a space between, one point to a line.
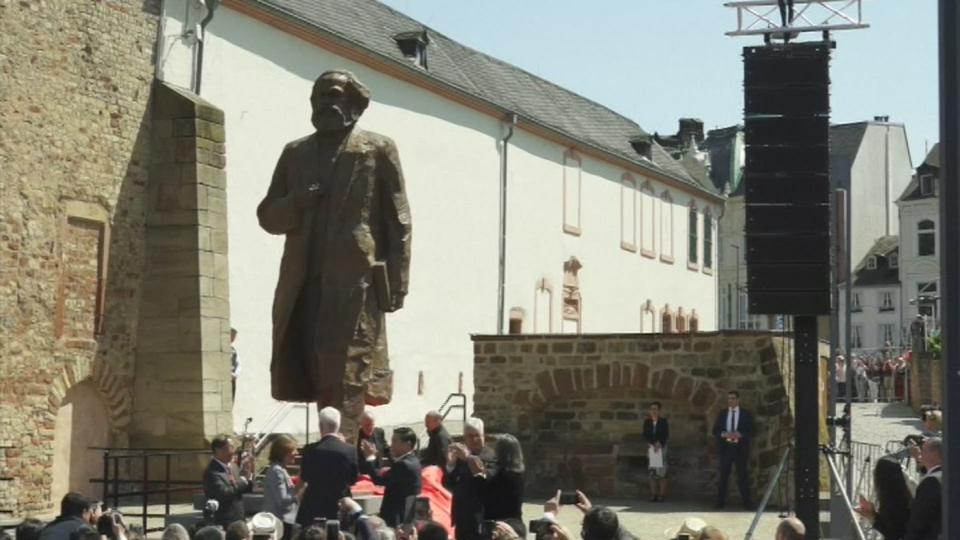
707 240
694 322
572 173
516 320
681 321
628 212
648 220
543 307
648 318
666 227
926 238
693 242
666 320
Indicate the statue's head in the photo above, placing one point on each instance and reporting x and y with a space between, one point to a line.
338 99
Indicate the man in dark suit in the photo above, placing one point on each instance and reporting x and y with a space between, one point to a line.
733 431
436 451
468 467
401 481
74 513
924 523
329 467
225 483
371 433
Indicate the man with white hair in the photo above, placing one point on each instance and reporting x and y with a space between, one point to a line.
468 466
925 513
329 468
374 435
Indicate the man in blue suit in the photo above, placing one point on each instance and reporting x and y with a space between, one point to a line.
733 431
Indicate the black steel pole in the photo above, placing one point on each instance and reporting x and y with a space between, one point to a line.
807 423
950 258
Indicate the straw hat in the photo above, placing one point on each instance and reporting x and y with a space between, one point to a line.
691 525
266 524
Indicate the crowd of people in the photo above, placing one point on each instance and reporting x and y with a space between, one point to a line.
484 485
875 376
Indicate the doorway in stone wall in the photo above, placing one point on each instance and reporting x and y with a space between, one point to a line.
83 422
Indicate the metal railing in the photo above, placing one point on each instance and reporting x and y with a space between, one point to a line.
115 477
767 494
830 453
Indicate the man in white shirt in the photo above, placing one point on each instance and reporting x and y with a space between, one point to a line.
841 377
733 431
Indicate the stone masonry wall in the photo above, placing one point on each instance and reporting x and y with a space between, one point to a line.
75 81
577 404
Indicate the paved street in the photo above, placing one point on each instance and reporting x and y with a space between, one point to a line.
879 423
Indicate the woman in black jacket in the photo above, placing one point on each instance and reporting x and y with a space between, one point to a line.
890 515
656 431
503 491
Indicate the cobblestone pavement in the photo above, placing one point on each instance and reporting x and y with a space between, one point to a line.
879 423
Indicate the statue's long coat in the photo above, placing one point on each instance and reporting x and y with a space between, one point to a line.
367 221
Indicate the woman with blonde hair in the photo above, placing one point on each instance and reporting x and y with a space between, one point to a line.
280 498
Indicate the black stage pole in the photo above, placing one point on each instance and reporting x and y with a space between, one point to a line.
807 422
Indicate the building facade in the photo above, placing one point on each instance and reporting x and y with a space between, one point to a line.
919 207
875 300
606 232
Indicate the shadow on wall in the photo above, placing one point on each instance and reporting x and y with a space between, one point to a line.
82 423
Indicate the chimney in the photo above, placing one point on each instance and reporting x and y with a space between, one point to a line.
884 118
690 128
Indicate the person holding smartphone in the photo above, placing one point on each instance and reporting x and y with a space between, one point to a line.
503 490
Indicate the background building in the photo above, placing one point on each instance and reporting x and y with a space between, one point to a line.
875 309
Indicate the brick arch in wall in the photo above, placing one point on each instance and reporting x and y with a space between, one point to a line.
115 395
582 426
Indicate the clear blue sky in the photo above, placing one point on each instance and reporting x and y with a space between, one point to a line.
658 60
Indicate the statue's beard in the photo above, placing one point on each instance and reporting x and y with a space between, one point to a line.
331 120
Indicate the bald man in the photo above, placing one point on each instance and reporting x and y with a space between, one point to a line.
436 451
791 529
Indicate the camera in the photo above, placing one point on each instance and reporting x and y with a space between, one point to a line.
569 497
210 508
421 509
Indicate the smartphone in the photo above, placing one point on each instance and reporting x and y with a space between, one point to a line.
421 509
539 526
487 527
569 497
333 529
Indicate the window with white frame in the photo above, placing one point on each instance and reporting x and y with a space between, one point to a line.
855 302
648 220
693 237
666 227
886 301
628 213
572 174
856 336
884 335
871 263
707 240
926 238
928 185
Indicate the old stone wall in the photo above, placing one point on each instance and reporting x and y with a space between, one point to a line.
75 81
926 381
577 404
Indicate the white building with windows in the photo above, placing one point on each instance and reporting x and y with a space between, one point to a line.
875 320
920 243
605 231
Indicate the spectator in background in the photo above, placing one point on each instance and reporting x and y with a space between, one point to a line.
890 515
175 531
860 378
467 469
369 432
329 467
503 490
225 483
280 497
29 529
74 513
435 453
401 481
656 431
237 530
599 523
210 532
431 530
841 377
791 529
924 523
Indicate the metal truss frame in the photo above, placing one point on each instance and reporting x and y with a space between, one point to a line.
762 17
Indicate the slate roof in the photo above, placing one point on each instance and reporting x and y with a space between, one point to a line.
882 249
845 139
930 165
371 26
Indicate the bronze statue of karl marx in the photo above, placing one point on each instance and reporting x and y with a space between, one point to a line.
338 196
